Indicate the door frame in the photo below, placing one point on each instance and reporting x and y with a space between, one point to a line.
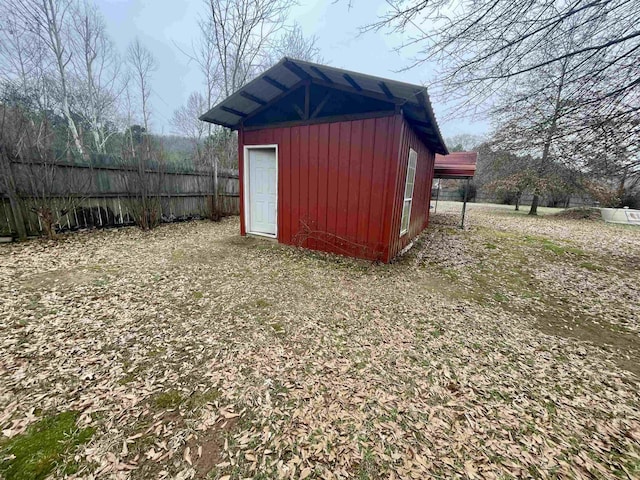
246 167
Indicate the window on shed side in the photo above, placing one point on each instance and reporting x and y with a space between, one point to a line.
408 192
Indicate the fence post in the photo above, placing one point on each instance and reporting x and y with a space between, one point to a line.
18 219
216 207
14 201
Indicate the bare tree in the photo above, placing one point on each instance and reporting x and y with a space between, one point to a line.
49 22
234 45
240 33
185 122
546 113
610 153
21 60
483 45
97 67
293 43
534 124
463 142
142 184
142 65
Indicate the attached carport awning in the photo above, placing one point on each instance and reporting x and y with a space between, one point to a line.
456 165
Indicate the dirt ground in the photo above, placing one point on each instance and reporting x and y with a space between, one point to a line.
507 350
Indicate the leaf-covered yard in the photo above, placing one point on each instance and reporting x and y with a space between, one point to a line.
507 350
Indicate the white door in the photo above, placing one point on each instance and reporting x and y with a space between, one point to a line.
263 190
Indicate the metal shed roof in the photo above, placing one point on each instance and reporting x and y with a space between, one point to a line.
456 165
288 74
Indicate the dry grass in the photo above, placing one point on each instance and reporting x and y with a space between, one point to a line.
464 359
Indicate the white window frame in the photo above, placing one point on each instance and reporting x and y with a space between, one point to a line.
407 197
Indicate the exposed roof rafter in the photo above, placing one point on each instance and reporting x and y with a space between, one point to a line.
233 111
353 83
274 83
321 74
253 98
385 89
296 70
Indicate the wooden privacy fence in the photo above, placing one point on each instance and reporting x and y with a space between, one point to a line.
105 194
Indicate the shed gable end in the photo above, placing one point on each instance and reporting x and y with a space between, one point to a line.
310 101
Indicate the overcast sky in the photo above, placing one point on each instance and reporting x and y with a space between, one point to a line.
166 26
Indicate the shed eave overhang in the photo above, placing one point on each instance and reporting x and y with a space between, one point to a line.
288 74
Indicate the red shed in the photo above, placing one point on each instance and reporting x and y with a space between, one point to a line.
333 160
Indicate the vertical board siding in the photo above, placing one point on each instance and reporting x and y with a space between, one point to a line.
353 198
365 181
421 192
379 204
342 180
323 178
333 184
313 179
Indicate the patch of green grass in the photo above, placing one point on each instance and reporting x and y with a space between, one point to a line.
201 398
177 254
367 470
101 282
554 247
490 246
591 266
167 400
551 408
34 302
561 250
437 332
197 295
130 376
451 273
500 297
262 303
450 231
37 452
277 327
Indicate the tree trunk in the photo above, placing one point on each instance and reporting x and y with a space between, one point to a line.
534 205
58 50
517 202
621 186
542 170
